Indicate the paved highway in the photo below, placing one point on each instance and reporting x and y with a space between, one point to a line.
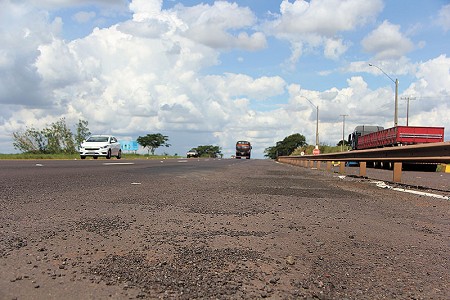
226 229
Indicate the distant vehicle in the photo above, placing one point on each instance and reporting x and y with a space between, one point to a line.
100 145
368 137
192 153
243 149
360 131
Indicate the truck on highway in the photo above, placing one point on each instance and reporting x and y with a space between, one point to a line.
368 137
243 149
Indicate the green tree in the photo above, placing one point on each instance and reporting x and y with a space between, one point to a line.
55 138
153 141
59 138
29 141
346 143
271 152
82 132
209 151
286 146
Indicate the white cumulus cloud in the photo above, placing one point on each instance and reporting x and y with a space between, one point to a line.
221 25
444 17
324 17
318 23
387 42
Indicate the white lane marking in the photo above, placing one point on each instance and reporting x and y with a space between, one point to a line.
383 185
109 164
182 161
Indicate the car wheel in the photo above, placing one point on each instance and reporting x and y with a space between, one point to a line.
119 154
108 156
82 156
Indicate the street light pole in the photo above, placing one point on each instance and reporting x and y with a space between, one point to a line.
317 127
396 104
317 121
396 94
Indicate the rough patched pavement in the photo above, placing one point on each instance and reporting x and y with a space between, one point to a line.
244 230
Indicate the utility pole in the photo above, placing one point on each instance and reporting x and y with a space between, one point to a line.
343 132
407 107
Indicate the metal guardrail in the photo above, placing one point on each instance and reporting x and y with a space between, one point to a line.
420 153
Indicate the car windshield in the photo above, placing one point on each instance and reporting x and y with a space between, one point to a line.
242 145
97 139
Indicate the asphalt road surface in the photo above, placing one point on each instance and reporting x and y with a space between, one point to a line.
214 229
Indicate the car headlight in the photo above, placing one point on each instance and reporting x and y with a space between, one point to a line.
105 147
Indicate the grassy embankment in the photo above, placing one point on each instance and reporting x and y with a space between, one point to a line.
323 149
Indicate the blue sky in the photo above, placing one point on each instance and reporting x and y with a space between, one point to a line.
213 72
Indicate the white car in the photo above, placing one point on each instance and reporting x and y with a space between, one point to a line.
192 153
100 145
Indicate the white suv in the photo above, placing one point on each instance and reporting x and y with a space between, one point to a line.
100 145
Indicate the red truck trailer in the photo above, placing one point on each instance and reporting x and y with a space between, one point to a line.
396 136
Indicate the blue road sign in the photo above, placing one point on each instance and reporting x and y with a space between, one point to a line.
129 145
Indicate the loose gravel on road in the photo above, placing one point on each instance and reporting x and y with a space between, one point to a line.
217 229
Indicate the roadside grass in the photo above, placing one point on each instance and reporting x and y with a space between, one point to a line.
442 167
77 156
323 149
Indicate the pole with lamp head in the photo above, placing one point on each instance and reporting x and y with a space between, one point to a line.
396 94
317 121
